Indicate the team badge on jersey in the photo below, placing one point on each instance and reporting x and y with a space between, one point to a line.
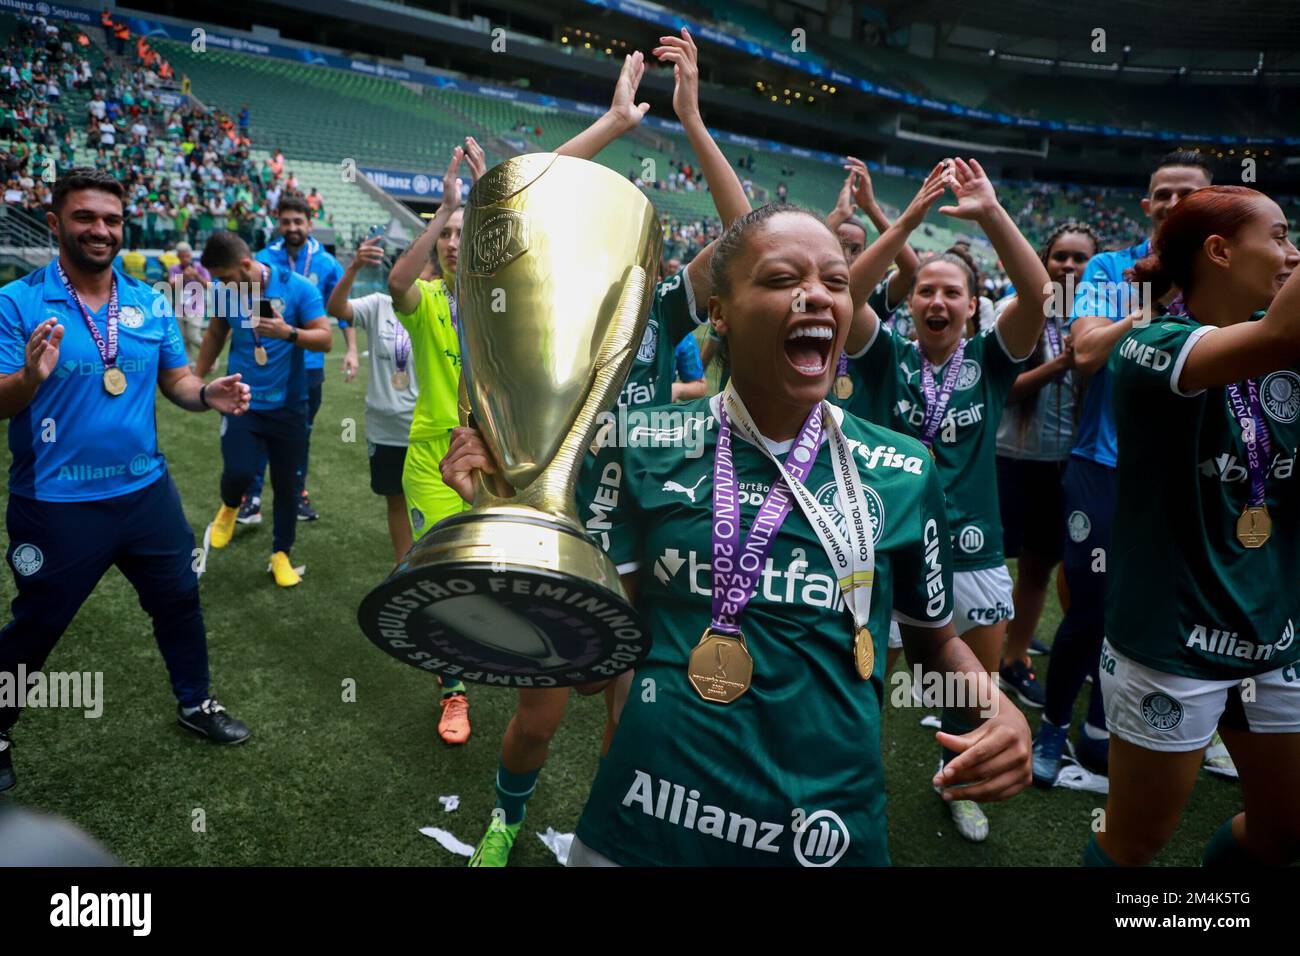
649 343
971 539
131 317
27 559
1281 396
313 278
279 303
1079 525
1161 711
828 496
969 375
417 519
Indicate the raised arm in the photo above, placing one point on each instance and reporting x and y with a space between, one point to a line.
724 185
401 280
865 197
1248 349
1022 323
870 267
624 113
368 253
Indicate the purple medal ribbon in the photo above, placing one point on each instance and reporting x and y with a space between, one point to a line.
736 567
107 350
455 318
401 346
1254 432
936 400
1053 335
842 366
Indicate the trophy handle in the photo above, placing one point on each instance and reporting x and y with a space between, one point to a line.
484 496
552 491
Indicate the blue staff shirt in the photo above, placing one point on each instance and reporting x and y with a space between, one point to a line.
75 442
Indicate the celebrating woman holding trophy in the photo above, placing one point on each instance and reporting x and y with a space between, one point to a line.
751 733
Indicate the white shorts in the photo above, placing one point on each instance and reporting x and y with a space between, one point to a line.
980 598
1169 712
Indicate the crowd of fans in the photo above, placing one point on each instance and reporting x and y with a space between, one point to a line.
188 171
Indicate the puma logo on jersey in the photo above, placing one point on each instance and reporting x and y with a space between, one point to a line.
672 486
1224 643
909 372
673 803
1228 468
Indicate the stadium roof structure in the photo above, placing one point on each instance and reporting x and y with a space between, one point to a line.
1256 25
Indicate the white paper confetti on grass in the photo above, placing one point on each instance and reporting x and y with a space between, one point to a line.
449 802
448 842
929 720
1074 777
557 843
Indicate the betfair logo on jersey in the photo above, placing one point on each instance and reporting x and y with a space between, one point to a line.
1147 356
820 838
83 367
787 585
1224 643
914 414
1228 468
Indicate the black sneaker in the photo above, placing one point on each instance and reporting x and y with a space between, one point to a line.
1038 648
305 511
250 511
1019 681
212 721
7 778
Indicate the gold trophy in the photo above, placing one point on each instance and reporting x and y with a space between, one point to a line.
558 263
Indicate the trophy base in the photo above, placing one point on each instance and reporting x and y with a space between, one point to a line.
508 596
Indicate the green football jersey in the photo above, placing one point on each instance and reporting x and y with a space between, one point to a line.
672 316
1185 596
880 304
791 772
966 444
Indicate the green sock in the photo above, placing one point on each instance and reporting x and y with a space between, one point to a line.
451 686
1223 850
513 791
1094 855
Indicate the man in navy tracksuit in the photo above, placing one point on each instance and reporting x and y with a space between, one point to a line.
82 347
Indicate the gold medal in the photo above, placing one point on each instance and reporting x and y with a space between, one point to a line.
259 355
843 387
1254 527
114 381
720 668
401 381
864 653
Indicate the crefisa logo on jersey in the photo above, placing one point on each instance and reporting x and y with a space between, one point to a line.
27 559
969 375
649 343
1079 525
1280 393
1161 711
131 317
828 496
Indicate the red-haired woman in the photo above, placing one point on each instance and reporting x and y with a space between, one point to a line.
1203 603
